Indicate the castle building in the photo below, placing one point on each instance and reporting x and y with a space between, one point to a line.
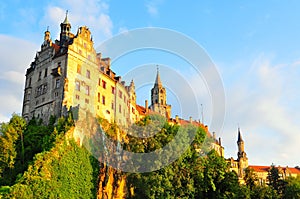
69 74
241 164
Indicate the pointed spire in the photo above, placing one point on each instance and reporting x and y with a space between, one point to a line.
240 139
157 80
66 21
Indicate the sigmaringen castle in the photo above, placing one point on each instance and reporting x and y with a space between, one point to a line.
69 73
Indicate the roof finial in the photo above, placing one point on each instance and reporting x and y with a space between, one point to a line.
47 28
67 13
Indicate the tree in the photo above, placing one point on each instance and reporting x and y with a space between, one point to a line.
292 189
275 181
10 133
250 178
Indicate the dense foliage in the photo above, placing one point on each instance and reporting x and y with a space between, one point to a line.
40 161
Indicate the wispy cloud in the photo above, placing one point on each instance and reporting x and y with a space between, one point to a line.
261 100
152 7
14 62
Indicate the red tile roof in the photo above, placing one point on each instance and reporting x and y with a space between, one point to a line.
266 169
141 109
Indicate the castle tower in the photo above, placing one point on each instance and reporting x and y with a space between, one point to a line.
65 30
132 94
159 98
158 92
242 156
47 39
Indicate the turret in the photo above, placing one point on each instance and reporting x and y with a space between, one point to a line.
65 30
158 92
47 39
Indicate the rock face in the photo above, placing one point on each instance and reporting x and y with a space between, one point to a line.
112 184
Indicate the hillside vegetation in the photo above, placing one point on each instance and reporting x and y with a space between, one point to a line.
43 161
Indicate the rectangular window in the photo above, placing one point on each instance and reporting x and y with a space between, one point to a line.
99 82
124 98
29 84
103 99
78 69
57 83
40 75
104 84
120 108
88 74
113 90
120 94
77 85
98 97
87 90
87 101
112 105
44 88
77 97
46 72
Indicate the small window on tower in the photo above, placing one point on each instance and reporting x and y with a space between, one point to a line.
88 74
113 90
104 84
103 99
29 83
77 85
78 69
87 90
46 71
40 75
57 83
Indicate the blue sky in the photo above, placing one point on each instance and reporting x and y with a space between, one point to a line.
255 46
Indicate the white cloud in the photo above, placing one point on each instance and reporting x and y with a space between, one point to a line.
152 7
13 76
91 13
16 55
264 101
152 10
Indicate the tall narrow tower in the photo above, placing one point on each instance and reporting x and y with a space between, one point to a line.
65 30
159 98
158 92
242 156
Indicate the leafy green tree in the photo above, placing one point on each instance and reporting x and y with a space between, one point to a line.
11 132
292 189
275 180
250 178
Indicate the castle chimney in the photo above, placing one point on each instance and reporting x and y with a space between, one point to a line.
146 105
177 119
191 119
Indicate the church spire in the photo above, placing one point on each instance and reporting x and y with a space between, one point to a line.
157 80
240 139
